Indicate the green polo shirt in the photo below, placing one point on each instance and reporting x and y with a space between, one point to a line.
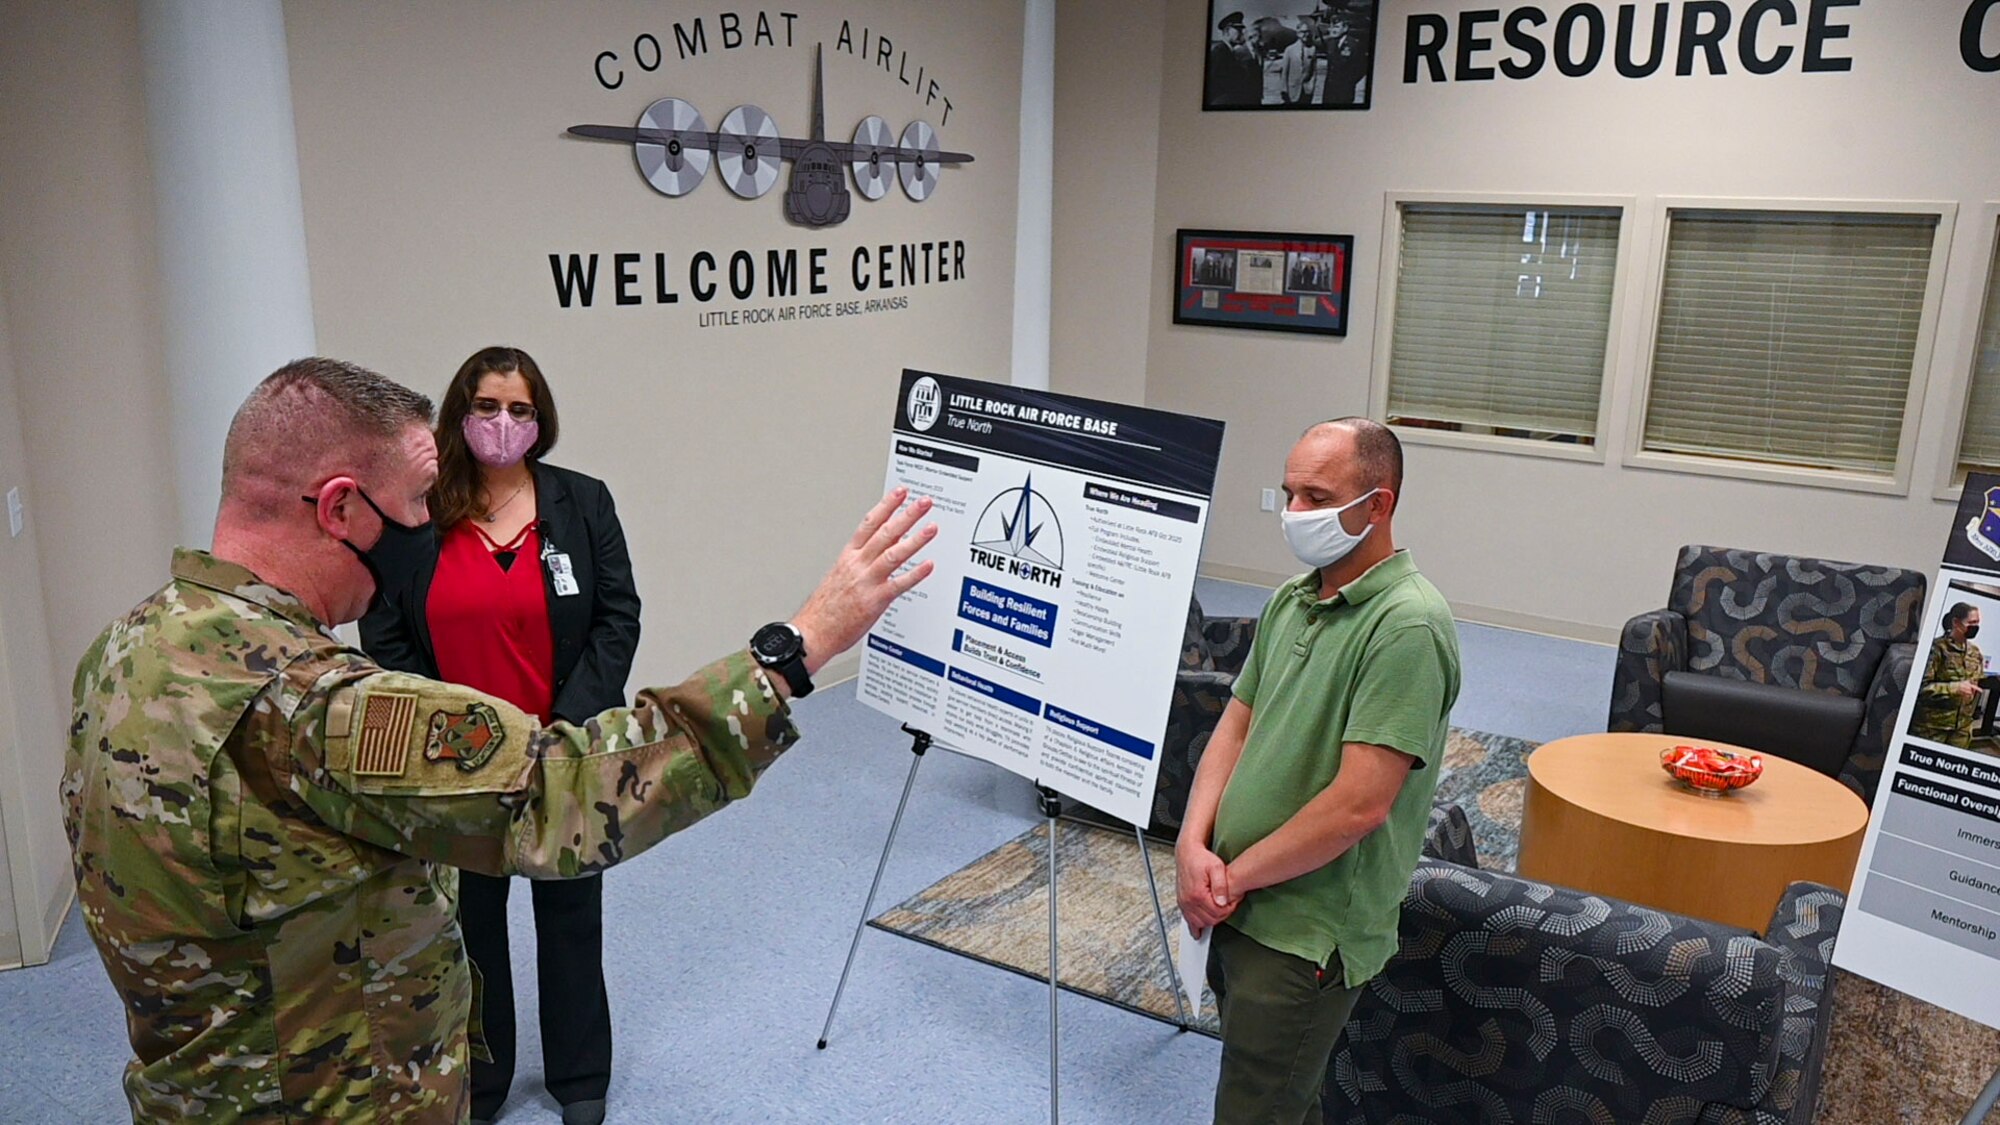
1375 663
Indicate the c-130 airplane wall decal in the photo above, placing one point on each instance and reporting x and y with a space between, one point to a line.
675 147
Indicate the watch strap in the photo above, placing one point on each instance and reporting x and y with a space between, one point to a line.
796 678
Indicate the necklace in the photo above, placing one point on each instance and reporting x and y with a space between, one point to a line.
493 513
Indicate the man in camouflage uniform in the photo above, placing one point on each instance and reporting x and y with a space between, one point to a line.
264 823
1949 695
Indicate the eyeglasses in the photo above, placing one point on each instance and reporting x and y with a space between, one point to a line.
488 408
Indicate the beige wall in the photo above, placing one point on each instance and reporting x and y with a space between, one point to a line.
437 182
84 430
14 844
1108 67
32 847
1571 547
77 272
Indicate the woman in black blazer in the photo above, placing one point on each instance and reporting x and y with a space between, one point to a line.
526 594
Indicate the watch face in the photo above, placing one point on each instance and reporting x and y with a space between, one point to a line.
774 642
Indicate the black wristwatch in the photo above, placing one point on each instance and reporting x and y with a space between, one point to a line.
781 648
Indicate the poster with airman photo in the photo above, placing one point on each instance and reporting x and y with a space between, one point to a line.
1923 916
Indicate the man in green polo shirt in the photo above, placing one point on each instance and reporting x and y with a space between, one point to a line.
1308 809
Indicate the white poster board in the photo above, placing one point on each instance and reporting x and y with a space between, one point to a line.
1924 914
1068 535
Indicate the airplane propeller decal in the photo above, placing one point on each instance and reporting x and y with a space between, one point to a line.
675 147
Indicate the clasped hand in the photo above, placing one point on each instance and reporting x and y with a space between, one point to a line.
1204 887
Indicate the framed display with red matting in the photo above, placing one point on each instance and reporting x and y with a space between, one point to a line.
1255 279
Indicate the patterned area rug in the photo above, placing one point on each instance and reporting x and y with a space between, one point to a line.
995 909
1487 776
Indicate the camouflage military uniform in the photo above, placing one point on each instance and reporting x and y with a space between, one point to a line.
261 818
1942 714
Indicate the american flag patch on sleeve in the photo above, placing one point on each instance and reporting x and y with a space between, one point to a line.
388 723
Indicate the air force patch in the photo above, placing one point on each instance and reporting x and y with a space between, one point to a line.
467 738
1983 530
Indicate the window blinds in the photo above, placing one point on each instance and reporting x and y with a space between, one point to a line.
1979 445
1501 317
1788 337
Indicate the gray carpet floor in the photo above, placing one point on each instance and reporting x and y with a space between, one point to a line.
724 944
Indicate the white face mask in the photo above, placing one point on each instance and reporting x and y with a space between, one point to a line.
1317 537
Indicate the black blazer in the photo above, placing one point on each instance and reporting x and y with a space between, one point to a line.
595 630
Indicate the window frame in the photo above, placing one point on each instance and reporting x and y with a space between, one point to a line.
1385 321
1923 357
1950 482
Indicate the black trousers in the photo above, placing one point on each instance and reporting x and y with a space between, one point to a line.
569 966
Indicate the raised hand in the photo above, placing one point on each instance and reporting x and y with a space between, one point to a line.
863 581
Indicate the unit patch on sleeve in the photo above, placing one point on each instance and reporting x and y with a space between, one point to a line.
467 738
388 720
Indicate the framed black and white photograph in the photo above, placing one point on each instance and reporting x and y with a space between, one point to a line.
1289 54
1211 267
1309 271
1258 279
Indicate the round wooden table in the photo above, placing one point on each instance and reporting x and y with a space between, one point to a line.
1601 816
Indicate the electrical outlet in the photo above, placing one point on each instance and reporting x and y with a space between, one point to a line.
13 512
1270 500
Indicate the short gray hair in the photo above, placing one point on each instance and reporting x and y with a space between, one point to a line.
307 415
1378 453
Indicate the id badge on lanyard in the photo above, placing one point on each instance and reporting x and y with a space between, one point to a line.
561 575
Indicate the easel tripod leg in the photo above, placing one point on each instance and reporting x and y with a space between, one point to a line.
1160 916
919 742
1051 807
1987 1098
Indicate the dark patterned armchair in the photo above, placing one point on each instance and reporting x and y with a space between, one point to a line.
1213 650
1448 836
1516 1001
1777 621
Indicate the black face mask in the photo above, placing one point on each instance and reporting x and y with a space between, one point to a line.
1971 631
400 551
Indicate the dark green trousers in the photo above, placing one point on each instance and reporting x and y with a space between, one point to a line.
1280 1017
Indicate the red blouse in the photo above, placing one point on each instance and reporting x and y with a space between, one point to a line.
490 624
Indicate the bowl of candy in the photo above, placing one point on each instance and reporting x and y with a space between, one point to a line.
1709 771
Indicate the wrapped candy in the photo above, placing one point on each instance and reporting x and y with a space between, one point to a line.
1710 771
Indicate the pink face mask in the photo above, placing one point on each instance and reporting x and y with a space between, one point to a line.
500 441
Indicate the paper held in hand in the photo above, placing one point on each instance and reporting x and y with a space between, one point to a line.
1194 965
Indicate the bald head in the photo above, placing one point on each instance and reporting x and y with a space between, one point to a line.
310 419
1375 453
